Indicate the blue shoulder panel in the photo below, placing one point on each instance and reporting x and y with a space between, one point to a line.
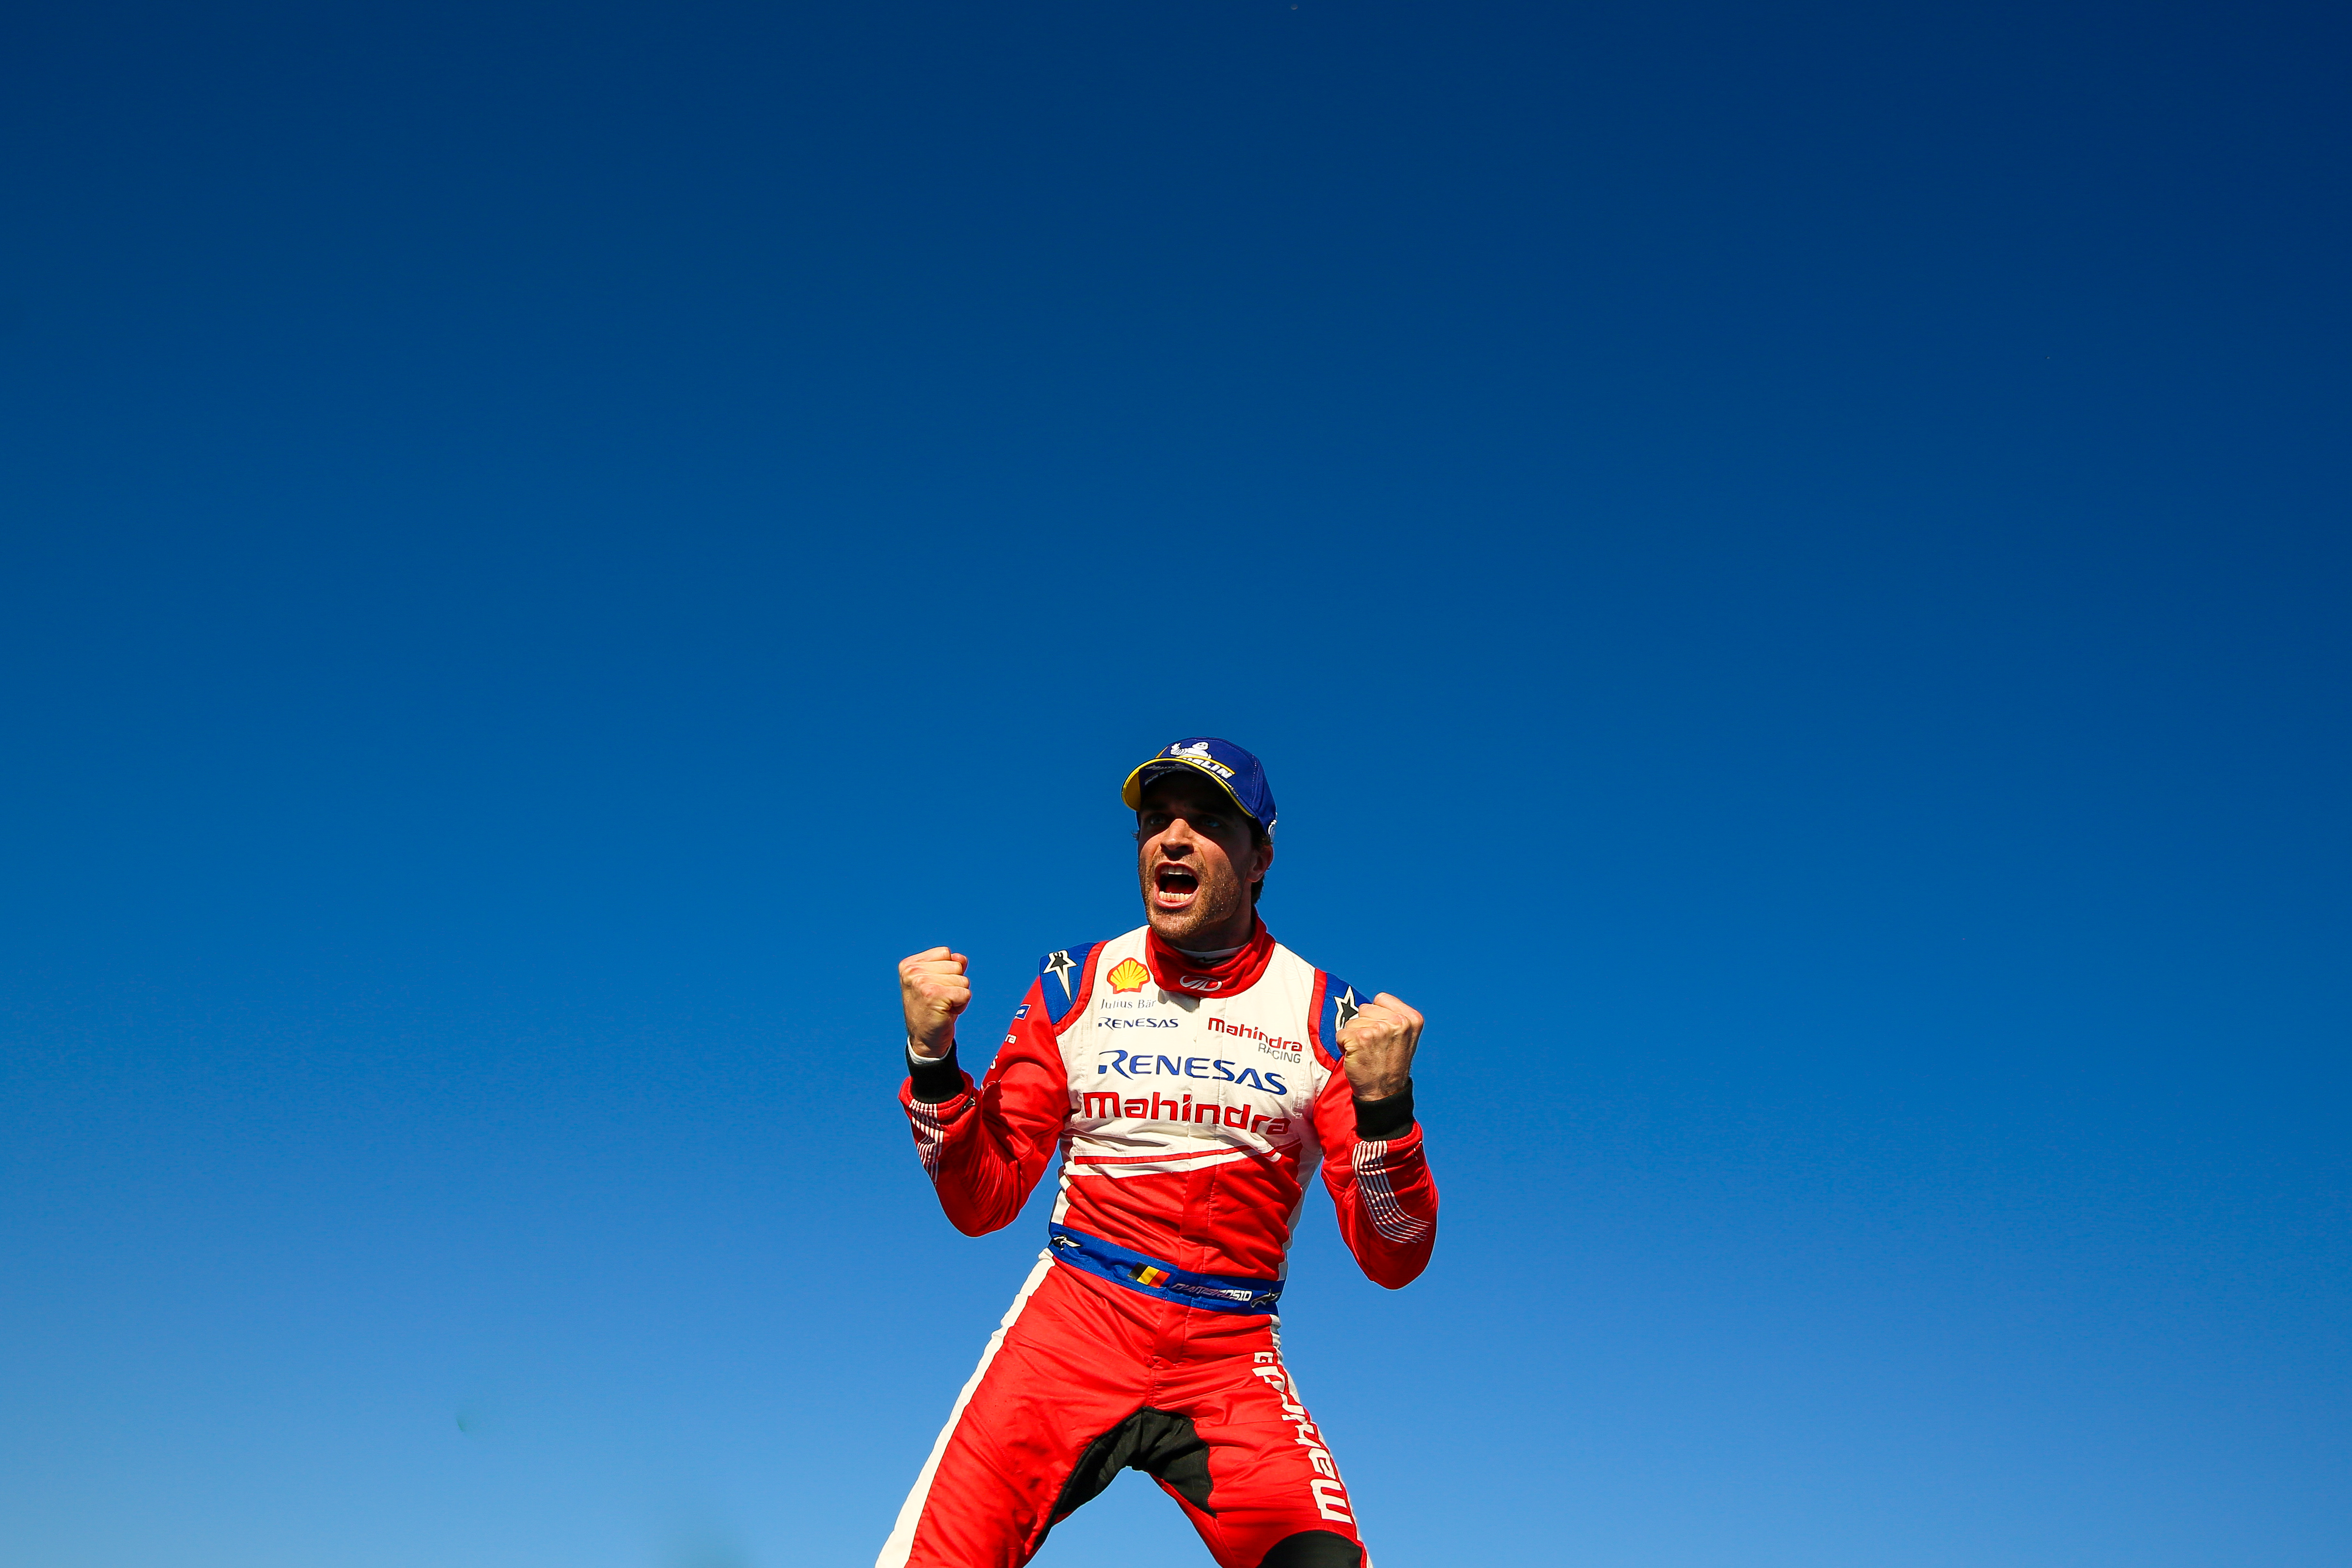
1341 1003
1061 975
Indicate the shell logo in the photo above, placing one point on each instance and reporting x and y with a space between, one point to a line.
1126 975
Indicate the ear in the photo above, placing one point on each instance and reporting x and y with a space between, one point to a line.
1262 860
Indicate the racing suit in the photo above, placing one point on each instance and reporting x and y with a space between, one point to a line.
1191 1100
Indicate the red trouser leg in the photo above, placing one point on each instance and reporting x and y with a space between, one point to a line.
1270 1474
1084 1376
1046 1385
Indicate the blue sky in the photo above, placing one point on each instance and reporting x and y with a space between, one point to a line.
1788 567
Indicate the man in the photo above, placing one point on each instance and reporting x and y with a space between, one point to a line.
1192 1073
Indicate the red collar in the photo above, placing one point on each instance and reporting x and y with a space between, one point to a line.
1185 975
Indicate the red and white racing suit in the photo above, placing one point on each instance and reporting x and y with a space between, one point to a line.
1190 1103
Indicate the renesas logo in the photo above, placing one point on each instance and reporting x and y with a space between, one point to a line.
1140 1064
1146 1021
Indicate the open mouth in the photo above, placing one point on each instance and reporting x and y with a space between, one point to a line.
1174 886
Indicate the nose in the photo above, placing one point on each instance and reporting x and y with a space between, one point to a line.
1177 833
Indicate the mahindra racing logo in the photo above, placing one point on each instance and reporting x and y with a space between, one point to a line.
1270 1044
1200 983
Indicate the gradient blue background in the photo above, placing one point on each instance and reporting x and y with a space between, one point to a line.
1788 564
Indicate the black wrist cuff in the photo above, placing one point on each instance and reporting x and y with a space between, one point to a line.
1389 1118
937 1079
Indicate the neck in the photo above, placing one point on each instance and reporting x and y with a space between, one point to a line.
1195 974
1224 937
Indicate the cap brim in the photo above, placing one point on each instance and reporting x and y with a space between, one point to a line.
1159 767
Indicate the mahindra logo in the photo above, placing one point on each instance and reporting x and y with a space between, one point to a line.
1248 1032
1200 983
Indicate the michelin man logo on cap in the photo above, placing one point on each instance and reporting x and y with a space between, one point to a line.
1234 770
1197 754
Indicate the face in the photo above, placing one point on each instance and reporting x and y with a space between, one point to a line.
1198 860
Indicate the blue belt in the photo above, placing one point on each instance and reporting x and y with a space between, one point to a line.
1210 1293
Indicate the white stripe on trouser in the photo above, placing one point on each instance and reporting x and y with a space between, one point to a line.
911 1514
1357 1512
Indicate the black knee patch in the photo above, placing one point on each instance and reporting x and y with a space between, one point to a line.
1313 1549
1160 1443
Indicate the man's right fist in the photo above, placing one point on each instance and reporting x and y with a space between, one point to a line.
932 986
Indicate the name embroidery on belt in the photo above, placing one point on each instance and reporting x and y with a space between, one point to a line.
1210 1293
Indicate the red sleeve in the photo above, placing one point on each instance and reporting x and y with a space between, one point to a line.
985 1148
1386 1199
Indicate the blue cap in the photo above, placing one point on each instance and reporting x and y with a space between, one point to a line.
1233 770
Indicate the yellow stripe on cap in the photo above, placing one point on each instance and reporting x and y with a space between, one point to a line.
1132 790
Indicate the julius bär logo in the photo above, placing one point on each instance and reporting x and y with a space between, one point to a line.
1126 975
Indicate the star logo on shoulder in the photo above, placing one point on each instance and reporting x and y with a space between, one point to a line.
1058 965
1349 1007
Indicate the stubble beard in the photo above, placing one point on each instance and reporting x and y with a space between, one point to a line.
1213 907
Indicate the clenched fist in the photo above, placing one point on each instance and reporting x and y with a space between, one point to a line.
933 988
1379 1041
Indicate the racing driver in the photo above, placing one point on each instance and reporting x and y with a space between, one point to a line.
1194 1073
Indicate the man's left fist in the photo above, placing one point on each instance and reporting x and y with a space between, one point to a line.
1380 1044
